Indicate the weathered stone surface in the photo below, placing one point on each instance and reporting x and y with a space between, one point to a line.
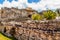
32 30
14 14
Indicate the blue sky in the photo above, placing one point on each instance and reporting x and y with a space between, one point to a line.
34 4
1 1
35 1
29 1
11 0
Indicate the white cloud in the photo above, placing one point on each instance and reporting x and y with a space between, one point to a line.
51 4
6 4
43 4
18 4
0 6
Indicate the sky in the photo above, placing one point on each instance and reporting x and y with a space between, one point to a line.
34 4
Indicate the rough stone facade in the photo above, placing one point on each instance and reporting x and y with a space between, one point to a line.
12 13
34 30
11 25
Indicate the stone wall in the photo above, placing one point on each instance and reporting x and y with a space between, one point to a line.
34 30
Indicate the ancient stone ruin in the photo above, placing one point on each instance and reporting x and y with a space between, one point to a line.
33 30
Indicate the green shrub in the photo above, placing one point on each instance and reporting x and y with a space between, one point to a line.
49 15
36 17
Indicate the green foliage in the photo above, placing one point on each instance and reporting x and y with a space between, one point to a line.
49 14
4 37
36 17
58 12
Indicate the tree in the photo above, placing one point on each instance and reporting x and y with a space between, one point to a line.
58 12
49 14
36 17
